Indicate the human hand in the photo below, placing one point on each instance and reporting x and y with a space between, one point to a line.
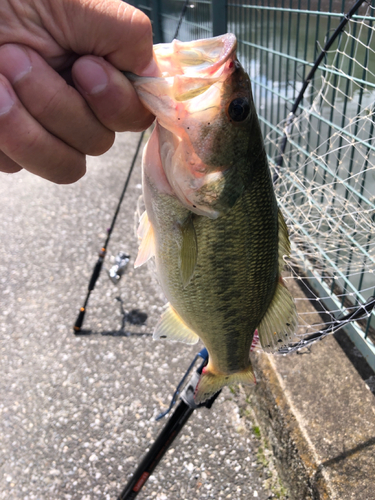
46 125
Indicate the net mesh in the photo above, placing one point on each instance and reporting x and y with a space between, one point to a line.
326 184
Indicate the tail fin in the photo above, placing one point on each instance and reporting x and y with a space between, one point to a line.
210 383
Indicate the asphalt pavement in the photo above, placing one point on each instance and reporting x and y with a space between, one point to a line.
78 412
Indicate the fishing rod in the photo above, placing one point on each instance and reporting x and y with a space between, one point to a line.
171 429
292 115
187 404
182 412
99 263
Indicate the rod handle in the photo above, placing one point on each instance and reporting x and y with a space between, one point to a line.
79 320
96 272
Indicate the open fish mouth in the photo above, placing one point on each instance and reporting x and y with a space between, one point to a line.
196 57
198 82
187 70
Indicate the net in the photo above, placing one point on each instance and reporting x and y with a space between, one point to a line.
326 184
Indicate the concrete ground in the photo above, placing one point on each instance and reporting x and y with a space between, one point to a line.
78 412
317 414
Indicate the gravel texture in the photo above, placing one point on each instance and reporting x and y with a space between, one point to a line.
78 412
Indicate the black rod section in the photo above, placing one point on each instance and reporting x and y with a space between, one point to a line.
157 451
170 431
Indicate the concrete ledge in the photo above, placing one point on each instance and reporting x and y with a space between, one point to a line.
318 416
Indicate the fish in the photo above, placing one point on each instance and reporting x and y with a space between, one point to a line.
211 220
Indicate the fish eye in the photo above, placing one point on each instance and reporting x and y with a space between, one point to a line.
239 109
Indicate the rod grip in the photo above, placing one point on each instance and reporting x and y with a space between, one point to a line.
79 320
95 273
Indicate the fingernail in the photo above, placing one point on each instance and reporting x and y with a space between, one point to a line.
150 70
18 63
6 100
91 76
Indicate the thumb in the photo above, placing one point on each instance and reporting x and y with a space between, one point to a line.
111 29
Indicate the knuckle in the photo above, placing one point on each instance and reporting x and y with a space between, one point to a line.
142 39
143 24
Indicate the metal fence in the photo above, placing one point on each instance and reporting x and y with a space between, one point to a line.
330 159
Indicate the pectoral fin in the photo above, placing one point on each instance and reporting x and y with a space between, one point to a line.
172 327
188 250
147 246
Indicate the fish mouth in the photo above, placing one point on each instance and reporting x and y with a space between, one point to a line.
188 95
199 57
187 70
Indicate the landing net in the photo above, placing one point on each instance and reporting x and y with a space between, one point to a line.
326 184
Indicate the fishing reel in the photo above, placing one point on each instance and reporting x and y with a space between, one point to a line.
118 269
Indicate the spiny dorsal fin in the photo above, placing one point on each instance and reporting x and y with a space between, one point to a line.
280 320
188 250
171 327
147 246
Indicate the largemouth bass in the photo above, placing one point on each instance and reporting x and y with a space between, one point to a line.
211 220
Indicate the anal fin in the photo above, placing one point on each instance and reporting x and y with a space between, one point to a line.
172 327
